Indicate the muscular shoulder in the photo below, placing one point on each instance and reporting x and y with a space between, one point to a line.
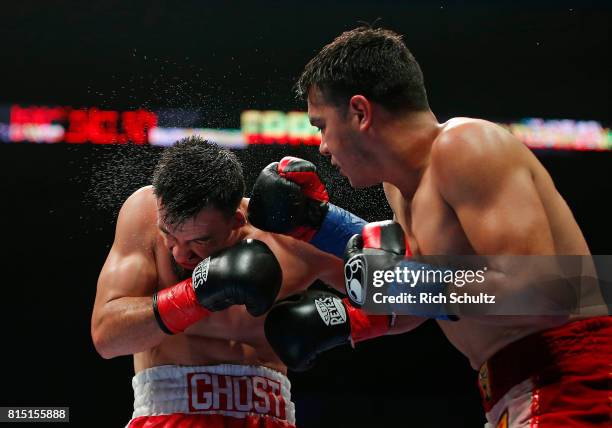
137 218
473 151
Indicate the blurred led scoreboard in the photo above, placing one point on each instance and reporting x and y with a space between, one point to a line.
68 125
44 124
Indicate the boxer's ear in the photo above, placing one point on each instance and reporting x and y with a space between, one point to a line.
238 220
360 110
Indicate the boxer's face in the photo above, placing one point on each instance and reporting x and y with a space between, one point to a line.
200 236
340 139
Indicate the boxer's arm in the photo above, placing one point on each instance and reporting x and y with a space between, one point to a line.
491 189
123 322
331 272
482 175
327 267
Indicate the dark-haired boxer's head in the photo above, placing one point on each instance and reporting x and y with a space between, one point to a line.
198 186
372 62
362 70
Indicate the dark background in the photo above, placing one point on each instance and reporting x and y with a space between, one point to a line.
502 61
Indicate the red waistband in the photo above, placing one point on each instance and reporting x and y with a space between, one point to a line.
546 356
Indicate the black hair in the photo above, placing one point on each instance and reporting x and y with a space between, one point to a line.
373 62
195 174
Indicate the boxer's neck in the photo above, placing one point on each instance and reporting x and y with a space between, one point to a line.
406 148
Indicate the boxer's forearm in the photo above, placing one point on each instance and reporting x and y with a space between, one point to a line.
527 288
329 268
125 326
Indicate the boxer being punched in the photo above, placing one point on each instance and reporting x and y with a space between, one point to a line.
464 187
183 290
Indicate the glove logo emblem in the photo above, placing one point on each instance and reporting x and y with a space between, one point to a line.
355 279
331 310
200 274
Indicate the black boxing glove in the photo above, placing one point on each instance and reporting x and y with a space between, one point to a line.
305 325
246 274
382 247
385 242
289 198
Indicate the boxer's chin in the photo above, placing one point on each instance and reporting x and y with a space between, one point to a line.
357 182
180 271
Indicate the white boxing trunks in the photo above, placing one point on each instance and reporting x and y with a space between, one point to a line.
220 396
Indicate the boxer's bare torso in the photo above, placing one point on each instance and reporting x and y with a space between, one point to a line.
435 229
231 336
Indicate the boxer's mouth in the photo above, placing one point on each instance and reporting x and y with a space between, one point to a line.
188 266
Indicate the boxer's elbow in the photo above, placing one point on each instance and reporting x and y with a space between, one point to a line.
102 339
102 347
104 351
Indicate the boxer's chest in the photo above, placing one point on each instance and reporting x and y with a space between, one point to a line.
432 225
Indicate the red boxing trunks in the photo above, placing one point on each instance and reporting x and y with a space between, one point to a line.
221 396
556 378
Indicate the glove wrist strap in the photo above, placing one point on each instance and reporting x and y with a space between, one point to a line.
177 307
337 228
364 327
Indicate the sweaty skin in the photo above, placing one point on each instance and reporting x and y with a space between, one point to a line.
508 207
464 187
144 259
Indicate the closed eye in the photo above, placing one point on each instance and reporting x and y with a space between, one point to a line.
201 240
317 125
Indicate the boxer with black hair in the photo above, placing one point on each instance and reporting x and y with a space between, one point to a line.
466 187
184 289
